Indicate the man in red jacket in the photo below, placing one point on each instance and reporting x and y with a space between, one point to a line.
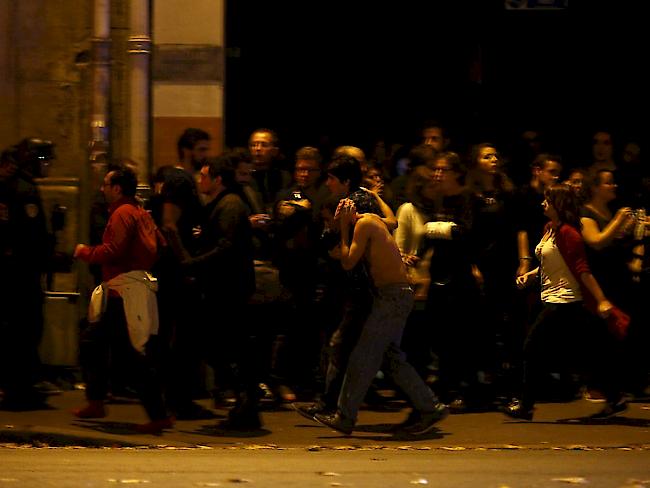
129 248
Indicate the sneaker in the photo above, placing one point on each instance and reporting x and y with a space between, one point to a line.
309 411
516 410
336 422
94 410
424 422
155 427
593 395
458 405
611 409
266 394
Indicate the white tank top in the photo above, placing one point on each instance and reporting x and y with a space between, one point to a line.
558 283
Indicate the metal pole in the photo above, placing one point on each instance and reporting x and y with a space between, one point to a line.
99 143
140 107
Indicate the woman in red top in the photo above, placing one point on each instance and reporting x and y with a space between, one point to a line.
567 287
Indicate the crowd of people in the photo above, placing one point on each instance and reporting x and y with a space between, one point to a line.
452 279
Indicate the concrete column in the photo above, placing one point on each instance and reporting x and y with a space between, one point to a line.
139 100
101 78
188 73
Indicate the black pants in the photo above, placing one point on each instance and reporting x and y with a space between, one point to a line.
21 327
229 348
569 331
100 343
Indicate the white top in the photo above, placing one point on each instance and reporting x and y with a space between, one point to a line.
410 229
558 283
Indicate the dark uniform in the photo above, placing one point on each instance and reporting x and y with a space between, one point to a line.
24 246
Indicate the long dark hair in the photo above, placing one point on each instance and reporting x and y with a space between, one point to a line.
565 202
501 181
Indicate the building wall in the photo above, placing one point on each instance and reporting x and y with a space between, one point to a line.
188 73
42 93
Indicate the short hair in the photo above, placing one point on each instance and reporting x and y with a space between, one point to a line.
126 178
224 166
543 158
275 140
346 168
434 124
189 138
309 153
592 180
351 151
566 204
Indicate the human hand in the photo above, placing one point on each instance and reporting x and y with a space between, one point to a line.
260 221
78 250
625 218
335 253
347 212
604 308
410 260
478 276
524 280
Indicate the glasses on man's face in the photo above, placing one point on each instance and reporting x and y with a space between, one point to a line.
306 170
442 169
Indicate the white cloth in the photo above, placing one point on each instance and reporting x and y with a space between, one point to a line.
138 292
558 283
410 229
439 230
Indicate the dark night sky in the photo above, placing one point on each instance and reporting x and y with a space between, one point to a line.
358 70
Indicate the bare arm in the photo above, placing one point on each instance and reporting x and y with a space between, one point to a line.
598 239
388 216
351 254
523 247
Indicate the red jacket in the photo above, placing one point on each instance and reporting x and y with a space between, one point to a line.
572 248
130 241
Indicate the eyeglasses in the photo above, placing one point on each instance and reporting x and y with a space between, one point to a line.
306 170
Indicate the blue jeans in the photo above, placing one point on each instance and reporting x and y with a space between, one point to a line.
379 344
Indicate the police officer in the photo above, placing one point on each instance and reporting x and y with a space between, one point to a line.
24 246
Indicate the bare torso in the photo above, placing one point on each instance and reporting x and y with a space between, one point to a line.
382 254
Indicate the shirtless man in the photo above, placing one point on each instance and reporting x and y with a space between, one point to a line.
381 335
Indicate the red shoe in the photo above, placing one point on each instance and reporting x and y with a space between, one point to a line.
94 410
155 426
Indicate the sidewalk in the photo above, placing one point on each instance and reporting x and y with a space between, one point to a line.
556 426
